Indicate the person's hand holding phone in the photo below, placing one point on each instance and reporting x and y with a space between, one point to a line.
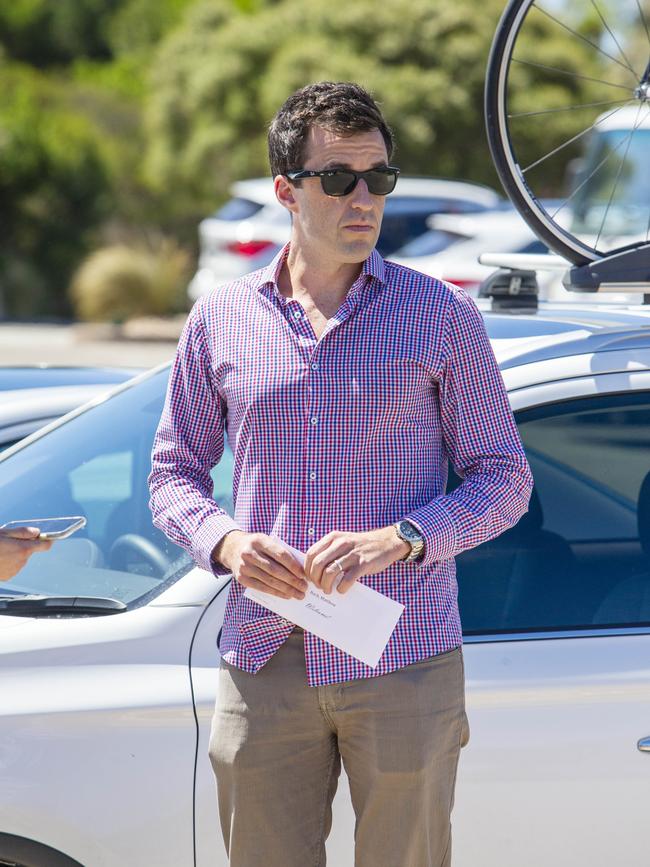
17 544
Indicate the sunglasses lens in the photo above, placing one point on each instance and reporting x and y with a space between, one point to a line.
381 183
341 183
338 183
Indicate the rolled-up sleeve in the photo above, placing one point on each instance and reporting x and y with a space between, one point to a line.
481 440
188 443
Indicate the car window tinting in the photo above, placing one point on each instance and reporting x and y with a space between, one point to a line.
429 243
405 218
238 209
580 557
96 465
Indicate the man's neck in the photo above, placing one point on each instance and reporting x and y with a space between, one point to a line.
323 284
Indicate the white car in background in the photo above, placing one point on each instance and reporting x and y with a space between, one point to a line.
252 226
109 641
451 247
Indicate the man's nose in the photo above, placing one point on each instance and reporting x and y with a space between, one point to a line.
361 197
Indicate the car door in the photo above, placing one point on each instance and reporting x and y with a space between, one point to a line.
556 618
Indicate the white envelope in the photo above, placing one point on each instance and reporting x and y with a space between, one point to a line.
359 622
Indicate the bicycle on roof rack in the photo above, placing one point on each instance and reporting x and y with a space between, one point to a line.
567 109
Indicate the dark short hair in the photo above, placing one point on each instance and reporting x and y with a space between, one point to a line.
342 107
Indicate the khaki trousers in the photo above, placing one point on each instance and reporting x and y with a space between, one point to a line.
276 747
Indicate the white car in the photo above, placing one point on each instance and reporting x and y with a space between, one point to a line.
450 249
109 656
252 226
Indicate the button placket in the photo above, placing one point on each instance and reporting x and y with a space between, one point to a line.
313 382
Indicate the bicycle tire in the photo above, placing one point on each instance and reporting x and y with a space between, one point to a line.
558 238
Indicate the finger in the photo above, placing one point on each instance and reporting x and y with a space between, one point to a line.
317 548
336 551
21 532
333 575
280 554
271 583
277 570
347 581
257 584
43 545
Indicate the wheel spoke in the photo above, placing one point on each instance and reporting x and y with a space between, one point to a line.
573 138
643 18
591 174
618 174
584 39
568 108
606 26
572 74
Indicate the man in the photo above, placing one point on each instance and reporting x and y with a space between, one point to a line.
16 547
345 383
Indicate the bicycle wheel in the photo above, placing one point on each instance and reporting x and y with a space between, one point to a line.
567 108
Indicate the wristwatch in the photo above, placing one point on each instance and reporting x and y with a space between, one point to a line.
406 531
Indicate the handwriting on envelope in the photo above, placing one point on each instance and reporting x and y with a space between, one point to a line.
359 622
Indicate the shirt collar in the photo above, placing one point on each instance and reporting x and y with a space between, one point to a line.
373 268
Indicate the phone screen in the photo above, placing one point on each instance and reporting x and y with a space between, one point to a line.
50 528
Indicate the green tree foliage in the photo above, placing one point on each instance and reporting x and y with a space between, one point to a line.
46 32
71 139
54 189
218 80
138 25
119 117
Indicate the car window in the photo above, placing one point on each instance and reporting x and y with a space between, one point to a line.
535 247
238 209
8 444
96 465
429 243
405 218
580 557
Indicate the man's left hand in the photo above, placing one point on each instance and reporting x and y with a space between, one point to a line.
357 554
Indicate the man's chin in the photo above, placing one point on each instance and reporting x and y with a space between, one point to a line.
357 250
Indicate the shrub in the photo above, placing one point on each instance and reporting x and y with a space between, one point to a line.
116 283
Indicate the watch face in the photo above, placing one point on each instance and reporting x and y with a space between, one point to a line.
409 531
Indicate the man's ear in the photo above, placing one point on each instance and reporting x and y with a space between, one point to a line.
284 192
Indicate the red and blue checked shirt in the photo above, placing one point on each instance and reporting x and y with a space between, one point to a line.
349 432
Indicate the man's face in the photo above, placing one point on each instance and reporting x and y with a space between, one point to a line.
340 229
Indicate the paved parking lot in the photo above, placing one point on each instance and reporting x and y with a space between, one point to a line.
143 346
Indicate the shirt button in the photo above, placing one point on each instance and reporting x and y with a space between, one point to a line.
297 314
311 531
314 367
314 420
312 476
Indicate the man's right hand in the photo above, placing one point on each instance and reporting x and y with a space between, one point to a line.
262 563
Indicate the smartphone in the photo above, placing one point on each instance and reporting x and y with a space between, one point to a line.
51 528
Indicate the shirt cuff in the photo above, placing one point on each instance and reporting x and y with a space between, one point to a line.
207 537
437 529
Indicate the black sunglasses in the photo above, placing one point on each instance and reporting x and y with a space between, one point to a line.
341 182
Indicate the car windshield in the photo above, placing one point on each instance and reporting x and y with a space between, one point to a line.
96 465
615 182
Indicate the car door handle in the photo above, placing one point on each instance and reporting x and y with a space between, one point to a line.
644 745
